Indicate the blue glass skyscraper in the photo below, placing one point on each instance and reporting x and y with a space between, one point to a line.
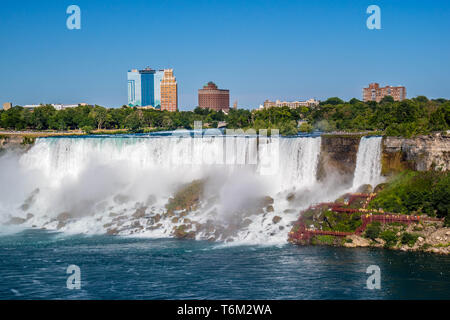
141 87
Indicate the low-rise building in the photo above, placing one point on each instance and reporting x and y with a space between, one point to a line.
291 104
7 106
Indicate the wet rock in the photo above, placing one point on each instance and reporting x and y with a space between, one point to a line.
112 232
182 233
290 196
187 197
64 216
270 209
175 219
61 224
159 225
30 200
246 223
276 219
187 220
119 218
139 213
16 220
281 228
365 188
121 199
156 218
267 201
290 211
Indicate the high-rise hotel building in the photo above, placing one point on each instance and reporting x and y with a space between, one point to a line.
376 93
152 88
169 93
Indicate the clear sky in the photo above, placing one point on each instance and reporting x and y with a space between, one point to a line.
257 49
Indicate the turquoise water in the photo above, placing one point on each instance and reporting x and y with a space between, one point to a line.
33 265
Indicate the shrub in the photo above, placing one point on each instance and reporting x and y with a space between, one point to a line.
409 238
373 230
390 237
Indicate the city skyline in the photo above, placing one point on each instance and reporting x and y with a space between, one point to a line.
272 50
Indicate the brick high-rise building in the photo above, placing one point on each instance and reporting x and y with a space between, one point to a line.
375 93
169 93
213 98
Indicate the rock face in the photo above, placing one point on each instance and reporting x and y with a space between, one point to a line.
420 153
15 141
338 156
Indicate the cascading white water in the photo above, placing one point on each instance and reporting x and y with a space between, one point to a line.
368 162
86 176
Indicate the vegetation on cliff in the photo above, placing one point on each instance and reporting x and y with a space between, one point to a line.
407 118
413 192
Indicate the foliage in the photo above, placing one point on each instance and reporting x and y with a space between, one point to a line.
323 239
405 118
373 230
409 238
416 192
342 222
390 237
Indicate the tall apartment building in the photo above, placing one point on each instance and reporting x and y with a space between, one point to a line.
147 87
375 93
169 91
213 98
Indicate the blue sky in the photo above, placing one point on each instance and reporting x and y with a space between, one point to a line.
257 49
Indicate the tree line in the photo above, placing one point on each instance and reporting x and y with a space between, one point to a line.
406 118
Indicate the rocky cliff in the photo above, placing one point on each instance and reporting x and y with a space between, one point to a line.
420 153
338 156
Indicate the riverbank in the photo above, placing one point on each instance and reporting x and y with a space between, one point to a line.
359 220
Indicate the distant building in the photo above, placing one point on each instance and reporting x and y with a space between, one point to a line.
291 104
169 91
211 97
7 106
55 105
376 93
145 89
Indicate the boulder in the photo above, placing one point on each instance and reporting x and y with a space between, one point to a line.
276 219
266 201
112 232
16 220
365 188
139 213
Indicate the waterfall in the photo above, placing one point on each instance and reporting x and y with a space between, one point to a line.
368 162
102 182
